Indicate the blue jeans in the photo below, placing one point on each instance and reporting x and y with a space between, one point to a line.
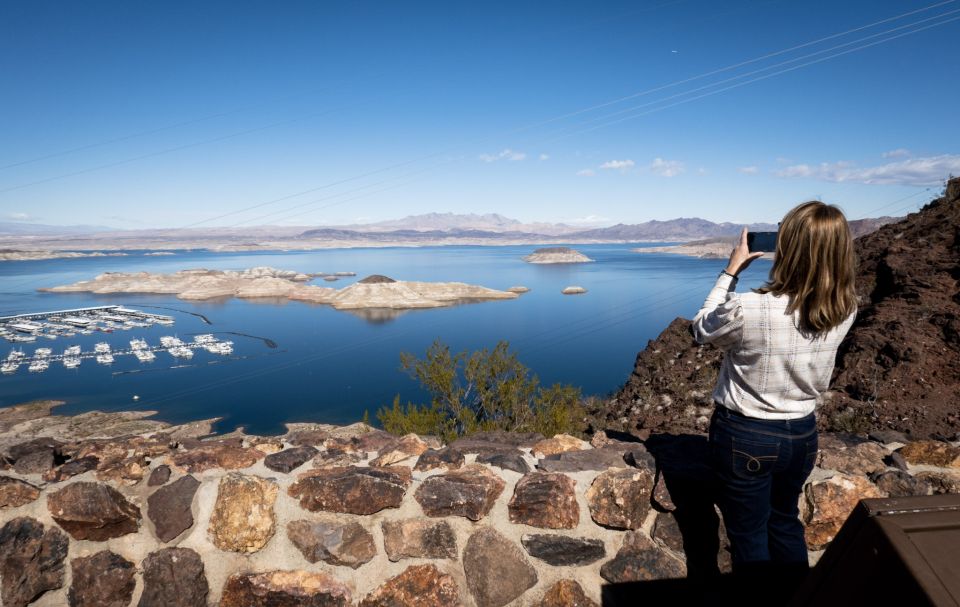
761 466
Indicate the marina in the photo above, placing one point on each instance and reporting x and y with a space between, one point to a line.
26 328
103 353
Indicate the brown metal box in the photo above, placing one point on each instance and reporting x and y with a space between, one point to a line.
896 551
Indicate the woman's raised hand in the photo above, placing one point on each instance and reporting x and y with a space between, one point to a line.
740 256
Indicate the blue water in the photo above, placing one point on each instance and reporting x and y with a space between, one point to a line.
331 366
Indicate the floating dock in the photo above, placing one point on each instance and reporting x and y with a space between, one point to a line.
27 328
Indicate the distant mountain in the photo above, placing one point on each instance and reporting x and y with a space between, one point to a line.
683 228
490 222
16 228
416 235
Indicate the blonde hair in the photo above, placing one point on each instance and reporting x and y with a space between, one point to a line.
815 266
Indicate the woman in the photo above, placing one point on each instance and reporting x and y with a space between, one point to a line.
780 346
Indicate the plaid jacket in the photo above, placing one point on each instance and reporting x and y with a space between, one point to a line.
770 369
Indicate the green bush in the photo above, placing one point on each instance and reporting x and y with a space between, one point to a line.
482 390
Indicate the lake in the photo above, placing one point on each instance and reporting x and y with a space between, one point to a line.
331 366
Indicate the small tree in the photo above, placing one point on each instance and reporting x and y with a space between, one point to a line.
483 390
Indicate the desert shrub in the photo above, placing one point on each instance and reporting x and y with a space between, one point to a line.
849 420
482 390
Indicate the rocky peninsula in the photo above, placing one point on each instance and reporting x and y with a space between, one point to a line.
557 255
263 282
24 255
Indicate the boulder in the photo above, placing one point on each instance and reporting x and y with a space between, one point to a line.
545 499
31 560
173 577
93 511
496 570
331 458
418 585
579 461
217 455
620 498
104 579
505 460
496 441
640 560
284 589
941 482
243 518
849 456
562 550
446 458
36 456
827 503
469 492
897 483
561 443
419 538
159 476
573 290
932 453
351 490
15 492
290 459
565 593
404 448
72 468
347 544
169 507
667 531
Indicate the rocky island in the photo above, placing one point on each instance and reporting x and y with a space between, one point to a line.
710 248
556 255
263 282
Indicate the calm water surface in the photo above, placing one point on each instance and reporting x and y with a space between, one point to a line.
331 366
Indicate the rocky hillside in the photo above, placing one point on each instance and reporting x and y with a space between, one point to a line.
116 509
898 369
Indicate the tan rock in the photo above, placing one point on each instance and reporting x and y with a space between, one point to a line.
243 518
941 482
827 503
931 453
419 538
561 443
419 586
407 447
565 593
620 498
284 589
546 500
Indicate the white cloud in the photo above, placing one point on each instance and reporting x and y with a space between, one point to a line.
20 217
617 164
783 160
701 171
586 173
897 153
929 171
750 170
506 154
666 168
544 156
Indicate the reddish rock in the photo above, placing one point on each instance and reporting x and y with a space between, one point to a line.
31 560
169 507
562 550
661 495
173 577
827 503
897 483
469 492
308 438
35 456
225 456
404 448
284 589
352 490
546 500
447 458
243 519
128 471
333 458
506 460
561 443
487 443
496 570
640 560
620 498
931 453
347 544
104 579
851 456
72 468
580 461
15 492
289 459
419 538
417 586
159 476
565 593
667 531
93 511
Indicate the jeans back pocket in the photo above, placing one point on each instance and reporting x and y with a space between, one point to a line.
751 459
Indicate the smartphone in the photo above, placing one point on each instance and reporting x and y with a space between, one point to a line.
762 241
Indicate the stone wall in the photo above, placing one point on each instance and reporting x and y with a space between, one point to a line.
114 509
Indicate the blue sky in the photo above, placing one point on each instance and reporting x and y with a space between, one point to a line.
174 114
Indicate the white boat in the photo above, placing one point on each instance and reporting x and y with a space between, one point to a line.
205 338
71 362
9 366
105 358
181 352
102 348
138 344
221 347
168 341
144 356
85 332
38 365
42 352
15 355
72 351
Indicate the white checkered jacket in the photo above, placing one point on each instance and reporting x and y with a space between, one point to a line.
770 369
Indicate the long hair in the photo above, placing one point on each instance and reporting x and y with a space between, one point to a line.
815 266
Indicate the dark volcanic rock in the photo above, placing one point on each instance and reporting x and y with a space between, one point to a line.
507 460
420 585
496 570
35 456
446 458
941 482
72 468
289 459
347 544
666 529
562 550
217 455
169 507
588 459
620 498
284 589
159 476
31 560
484 443
352 490
174 577
375 279
565 593
470 492
897 483
102 580
15 492
545 499
640 560
93 511
419 538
